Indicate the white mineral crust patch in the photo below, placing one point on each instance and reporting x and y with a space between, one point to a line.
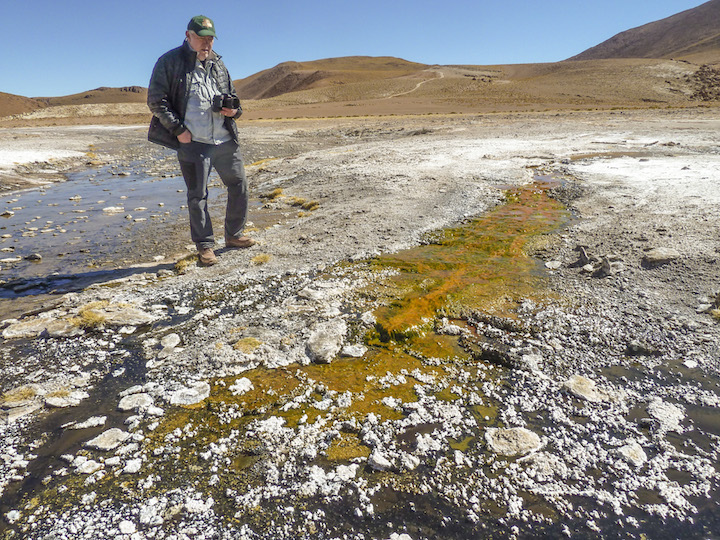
35 326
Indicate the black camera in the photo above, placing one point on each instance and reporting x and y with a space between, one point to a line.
225 101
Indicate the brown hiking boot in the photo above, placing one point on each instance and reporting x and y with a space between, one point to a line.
206 256
242 242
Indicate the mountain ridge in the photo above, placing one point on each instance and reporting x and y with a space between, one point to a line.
692 32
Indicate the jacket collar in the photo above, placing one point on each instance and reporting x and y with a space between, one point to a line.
192 55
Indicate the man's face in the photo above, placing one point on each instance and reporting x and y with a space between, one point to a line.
201 45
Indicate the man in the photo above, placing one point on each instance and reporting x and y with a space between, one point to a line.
185 95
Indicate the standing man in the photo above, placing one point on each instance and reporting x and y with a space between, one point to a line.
194 108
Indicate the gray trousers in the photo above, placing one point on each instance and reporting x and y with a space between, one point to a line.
196 160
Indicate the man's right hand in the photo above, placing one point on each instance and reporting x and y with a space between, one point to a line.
185 137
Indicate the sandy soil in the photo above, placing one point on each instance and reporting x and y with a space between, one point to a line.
639 183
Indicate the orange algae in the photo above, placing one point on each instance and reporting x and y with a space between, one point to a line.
479 266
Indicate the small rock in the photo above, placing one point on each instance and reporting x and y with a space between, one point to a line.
108 440
553 265
125 526
88 467
667 415
354 351
241 386
585 258
512 441
659 256
191 395
326 340
72 399
152 410
27 329
134 402
586 389
12 516
133 466
136 389
447 328
377 461
115 315
531 362
9 416
171 340
62 328
633 454
94 421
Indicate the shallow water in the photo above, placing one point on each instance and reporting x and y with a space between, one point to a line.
88 222
95 227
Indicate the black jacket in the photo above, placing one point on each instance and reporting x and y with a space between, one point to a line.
169 91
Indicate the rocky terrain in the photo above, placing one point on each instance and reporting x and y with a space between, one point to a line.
462 326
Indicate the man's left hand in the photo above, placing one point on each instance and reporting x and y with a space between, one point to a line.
228 112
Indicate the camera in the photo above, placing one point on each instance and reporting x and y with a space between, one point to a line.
225 101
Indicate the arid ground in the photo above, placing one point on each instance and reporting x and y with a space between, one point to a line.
483 303
453 325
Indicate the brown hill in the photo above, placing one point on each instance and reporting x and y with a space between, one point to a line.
12 104
297 76
126 94
692 35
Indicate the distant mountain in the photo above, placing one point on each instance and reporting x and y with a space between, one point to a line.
296 76
691 34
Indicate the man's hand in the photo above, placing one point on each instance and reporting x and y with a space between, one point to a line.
185 137
228 112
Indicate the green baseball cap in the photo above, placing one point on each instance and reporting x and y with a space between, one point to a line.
202 26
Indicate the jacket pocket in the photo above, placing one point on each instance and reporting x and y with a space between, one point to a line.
159 135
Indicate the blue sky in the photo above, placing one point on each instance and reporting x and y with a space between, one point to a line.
64 47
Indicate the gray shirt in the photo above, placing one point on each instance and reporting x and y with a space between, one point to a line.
205 125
